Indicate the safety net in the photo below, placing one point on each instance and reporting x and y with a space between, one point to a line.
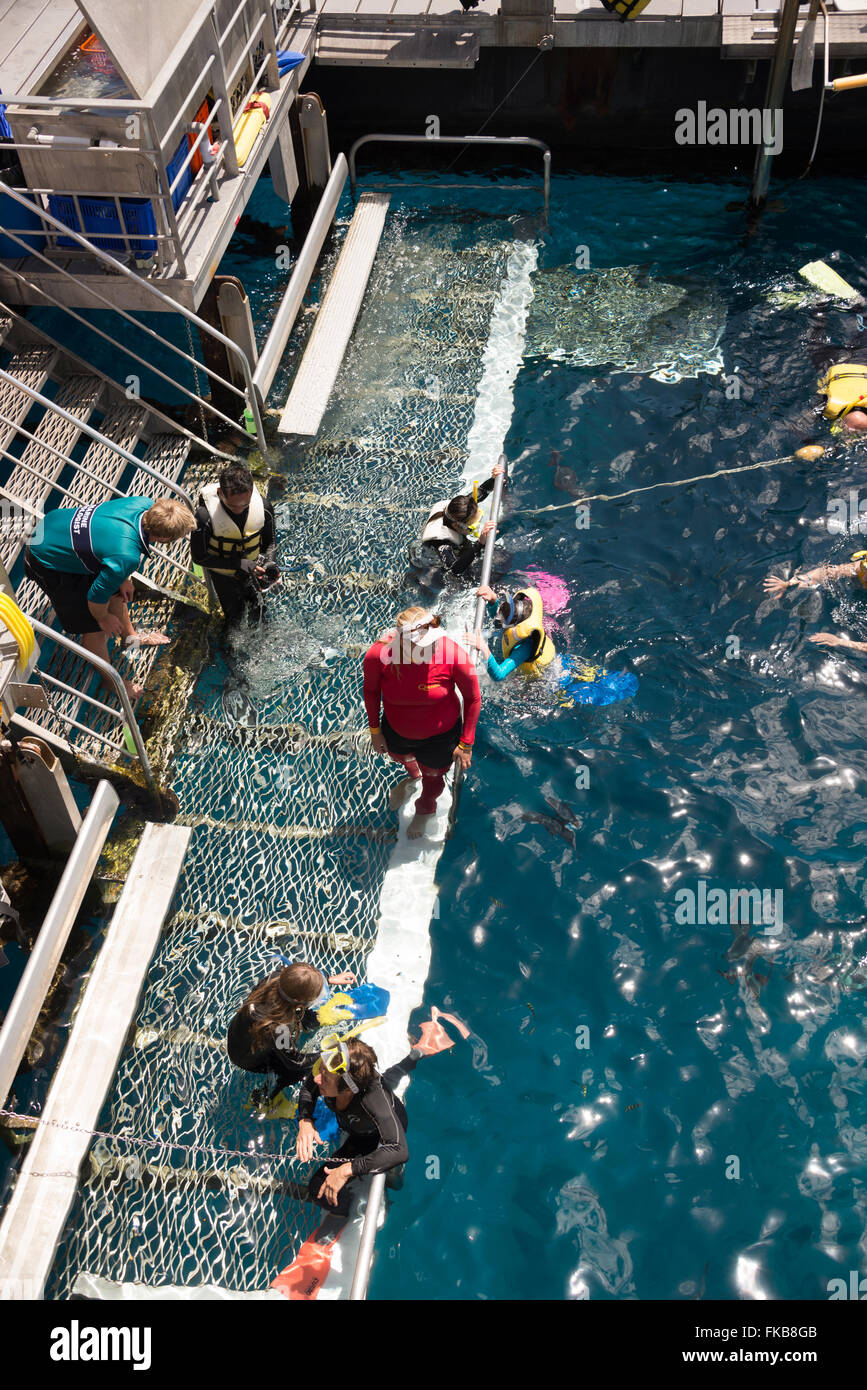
189 1183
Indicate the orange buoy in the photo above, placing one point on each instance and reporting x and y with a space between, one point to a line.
810 452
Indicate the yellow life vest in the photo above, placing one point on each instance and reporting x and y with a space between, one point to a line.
534 626
845 387
862 572
228 538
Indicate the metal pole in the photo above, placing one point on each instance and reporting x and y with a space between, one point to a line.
774 98
30 994
117 268
275 345
107 671
361 1277
487 565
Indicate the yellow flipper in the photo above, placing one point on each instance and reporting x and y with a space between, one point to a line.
820 275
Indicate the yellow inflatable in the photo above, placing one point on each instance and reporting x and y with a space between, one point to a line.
534 626
249 125
846 389
13 619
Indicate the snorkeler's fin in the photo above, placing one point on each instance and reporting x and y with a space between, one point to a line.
303 1279
434 1037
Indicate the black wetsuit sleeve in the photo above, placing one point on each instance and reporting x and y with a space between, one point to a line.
485 489
401 1069
268 539
308 1095
469 551
378 1104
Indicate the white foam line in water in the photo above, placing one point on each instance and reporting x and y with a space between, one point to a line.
500 365
400 960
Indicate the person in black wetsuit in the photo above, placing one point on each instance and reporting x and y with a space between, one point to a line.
450 544
367 1110
265 1032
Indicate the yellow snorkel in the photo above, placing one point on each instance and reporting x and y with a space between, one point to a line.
862 570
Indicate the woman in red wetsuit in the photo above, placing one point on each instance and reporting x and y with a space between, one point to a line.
412 674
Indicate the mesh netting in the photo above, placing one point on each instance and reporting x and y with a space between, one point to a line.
292 834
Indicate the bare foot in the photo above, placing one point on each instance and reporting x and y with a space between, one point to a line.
133 689
399 792
147 639
417 826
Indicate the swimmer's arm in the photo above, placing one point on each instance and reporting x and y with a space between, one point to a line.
810 579
499 670
401 1069
833 639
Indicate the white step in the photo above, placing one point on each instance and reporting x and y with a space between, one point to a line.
315 378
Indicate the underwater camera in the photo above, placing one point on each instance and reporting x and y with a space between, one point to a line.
269 578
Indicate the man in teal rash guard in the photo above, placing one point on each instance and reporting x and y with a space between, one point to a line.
82 558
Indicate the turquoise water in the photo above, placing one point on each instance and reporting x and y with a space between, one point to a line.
707 1142
747 772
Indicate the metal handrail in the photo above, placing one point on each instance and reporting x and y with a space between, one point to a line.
361 1275
81 367
95 434
510 140
174 306
101 333
53 934
108 673
284 320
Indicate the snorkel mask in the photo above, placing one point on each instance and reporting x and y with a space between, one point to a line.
505 614
334 1058
861 555
423 631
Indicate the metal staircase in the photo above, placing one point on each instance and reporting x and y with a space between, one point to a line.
69 435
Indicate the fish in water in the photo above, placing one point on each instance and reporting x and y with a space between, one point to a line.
565 479
559 824
624 318
238 708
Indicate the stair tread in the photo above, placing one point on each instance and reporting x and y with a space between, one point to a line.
122 425
31 368
78 396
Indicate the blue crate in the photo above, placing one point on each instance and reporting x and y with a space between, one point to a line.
172 168
99 215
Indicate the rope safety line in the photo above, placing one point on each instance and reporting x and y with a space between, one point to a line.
33 1122
675 482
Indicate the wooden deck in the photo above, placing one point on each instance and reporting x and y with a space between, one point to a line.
33 35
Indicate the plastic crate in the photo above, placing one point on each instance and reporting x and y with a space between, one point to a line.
19 219
172 168
100 219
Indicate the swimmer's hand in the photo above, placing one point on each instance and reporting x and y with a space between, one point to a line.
378 743
335 1179
345 977
486 592
474 638
776 587
498 470
834 639
486 529
307 1138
